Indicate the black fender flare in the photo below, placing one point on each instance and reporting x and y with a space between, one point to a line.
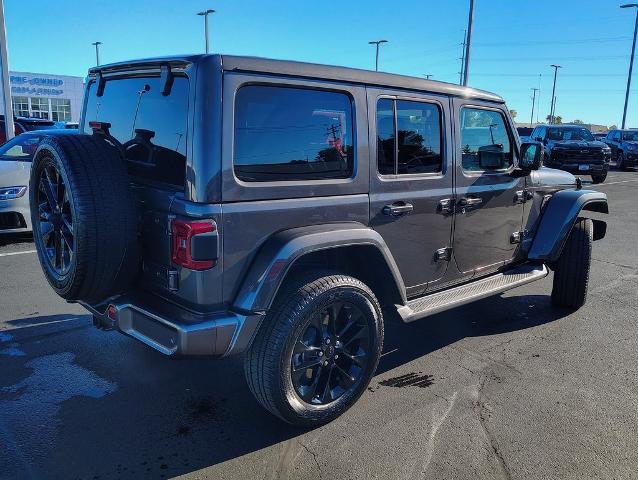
558 218
283 249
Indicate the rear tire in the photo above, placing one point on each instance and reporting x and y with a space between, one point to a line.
85 224
571 272
599 178
296 329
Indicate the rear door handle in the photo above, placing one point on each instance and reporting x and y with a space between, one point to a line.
470 202
398 208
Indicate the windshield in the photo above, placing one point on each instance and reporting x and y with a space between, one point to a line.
39 126
576 133
630 136
20 148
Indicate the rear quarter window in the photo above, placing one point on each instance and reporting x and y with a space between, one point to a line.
150 126
284 134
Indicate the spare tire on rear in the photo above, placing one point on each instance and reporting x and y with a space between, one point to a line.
83 211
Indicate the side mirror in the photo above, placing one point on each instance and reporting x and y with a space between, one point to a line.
531 156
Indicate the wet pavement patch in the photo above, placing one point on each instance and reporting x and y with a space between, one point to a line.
414 379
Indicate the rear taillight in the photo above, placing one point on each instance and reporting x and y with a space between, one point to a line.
194 244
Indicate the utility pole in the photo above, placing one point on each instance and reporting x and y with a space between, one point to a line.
5 99
531 120
97 52
461 71
553 102
376 61
205 14
468 44
631 62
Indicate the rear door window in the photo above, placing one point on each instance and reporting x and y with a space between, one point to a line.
150 126
417 126
284 134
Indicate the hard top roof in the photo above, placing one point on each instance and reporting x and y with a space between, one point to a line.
308 70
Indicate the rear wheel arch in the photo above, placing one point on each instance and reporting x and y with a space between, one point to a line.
363 262
349 248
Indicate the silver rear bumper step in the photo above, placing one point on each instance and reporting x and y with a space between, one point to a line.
469 292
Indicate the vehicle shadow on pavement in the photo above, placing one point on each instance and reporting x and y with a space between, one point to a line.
157 417
491 316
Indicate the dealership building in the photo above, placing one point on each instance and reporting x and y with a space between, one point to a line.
42 95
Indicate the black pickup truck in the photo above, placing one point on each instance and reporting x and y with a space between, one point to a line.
573 148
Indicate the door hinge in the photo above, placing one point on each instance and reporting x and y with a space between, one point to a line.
443 254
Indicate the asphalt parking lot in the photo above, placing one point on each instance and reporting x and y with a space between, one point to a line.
508 387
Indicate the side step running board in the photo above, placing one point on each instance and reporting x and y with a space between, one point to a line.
469 292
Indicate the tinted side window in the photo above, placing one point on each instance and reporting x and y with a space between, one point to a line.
151 126
418 128
284 133
485 143
385 136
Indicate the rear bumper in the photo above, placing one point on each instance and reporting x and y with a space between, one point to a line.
172 330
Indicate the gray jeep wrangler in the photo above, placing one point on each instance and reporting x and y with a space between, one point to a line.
215 205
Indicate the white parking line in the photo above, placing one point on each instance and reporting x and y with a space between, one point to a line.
615 183
16 253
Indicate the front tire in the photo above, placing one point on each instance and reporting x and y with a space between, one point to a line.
599 178
571 272
317 348
620 161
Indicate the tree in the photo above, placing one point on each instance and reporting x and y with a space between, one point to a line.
558 120
613 127
578 122
513 113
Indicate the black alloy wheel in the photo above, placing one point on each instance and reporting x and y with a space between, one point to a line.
330 356
55 219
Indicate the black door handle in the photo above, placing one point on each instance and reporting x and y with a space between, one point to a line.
398 208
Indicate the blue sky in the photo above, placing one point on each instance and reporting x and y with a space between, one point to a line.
514 41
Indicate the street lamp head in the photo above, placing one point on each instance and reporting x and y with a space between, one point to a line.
629 5
206 12
377 42
96 43
556 66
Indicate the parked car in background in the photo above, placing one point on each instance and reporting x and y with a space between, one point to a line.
15 164
24 124
72 125
600 136
573 148
624 147
524 133
304 204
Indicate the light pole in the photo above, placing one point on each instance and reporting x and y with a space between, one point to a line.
97 52
531 120
6 108
551 110
631 61
376 61
427 75
468 44
205 14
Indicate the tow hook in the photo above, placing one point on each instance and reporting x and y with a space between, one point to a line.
108 321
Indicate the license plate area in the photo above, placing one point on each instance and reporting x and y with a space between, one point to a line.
583 167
